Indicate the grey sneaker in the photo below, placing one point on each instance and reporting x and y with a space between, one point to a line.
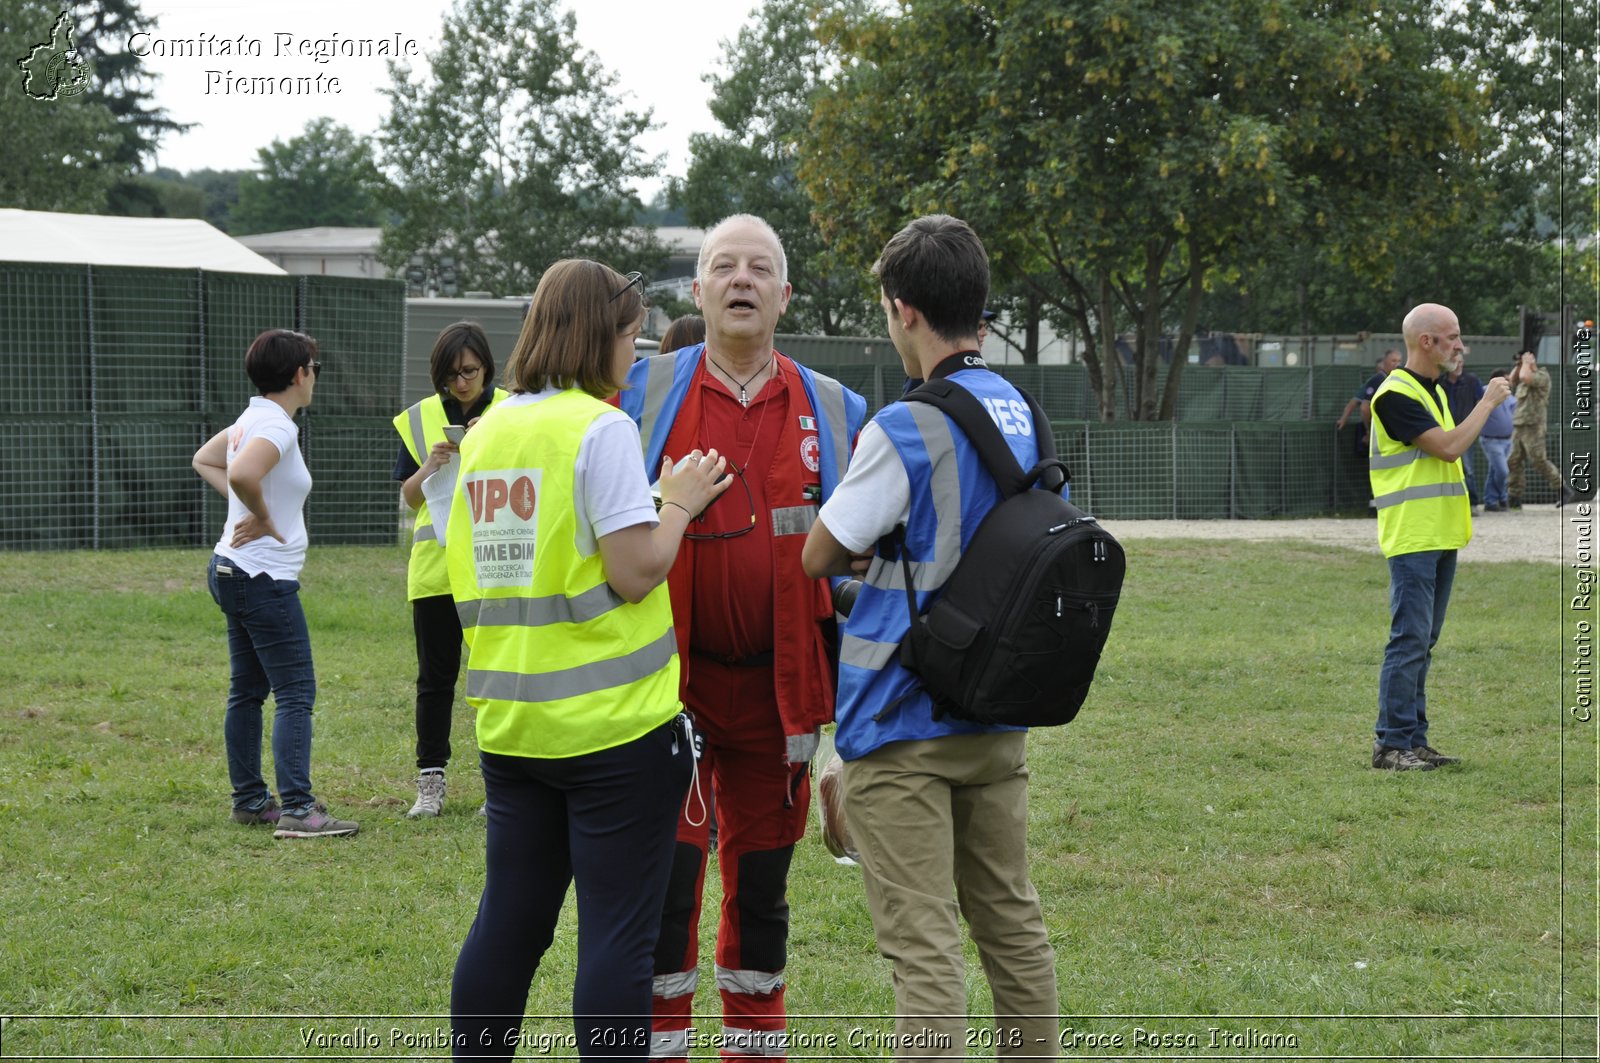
265 816
1431 756
1387 758
314 824
430 795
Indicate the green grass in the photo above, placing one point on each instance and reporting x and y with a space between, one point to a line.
1207 838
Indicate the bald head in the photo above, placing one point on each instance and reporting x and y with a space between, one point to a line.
1433 338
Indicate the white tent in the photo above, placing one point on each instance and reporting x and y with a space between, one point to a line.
94 239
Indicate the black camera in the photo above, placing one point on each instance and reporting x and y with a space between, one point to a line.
844 596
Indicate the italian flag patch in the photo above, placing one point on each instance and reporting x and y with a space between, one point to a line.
808 424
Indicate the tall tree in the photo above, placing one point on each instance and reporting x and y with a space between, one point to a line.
1128 151
325 176
774 71
512 152
59 154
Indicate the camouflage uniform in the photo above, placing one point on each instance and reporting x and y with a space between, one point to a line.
1528 434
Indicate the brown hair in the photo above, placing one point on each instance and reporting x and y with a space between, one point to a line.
463 335
276 356
938 265
569 337
685 331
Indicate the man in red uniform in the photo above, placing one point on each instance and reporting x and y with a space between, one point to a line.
754 633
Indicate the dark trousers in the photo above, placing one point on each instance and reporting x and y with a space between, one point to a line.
606 820
438 631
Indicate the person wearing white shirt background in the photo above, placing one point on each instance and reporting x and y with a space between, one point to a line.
254 574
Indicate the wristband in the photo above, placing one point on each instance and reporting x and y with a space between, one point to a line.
680 506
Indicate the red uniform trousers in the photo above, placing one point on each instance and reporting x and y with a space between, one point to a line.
761 805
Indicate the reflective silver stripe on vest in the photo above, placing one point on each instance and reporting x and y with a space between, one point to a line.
860 653
671 1044
934 428
793 520
657 382
678 984
574 682
538 612
1376 460
737 1041
424 534
830 396
418 440
1411 494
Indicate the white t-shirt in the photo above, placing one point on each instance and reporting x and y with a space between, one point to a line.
873 497
283 489
610 491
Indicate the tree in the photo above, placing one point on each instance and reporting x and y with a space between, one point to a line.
1128 152
512 153
325 176
60 154
775 70
121 85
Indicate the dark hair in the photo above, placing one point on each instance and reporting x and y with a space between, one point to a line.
276 356
685 331
569 336
938 265
463 335
1499 372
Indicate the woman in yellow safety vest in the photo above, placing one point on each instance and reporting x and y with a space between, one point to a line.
557 560
462 370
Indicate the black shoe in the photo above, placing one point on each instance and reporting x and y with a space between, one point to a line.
1495 507
1515 503
1567 495
1387 758
1432 757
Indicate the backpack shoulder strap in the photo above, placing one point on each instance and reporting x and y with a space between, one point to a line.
963 407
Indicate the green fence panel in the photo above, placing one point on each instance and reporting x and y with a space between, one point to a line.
1308 476
359 326
1334 385
44 342
1285 395
1242 391
1204 474
354 499
239 307
145 340
1131 471
1258 471
1202 396
47 484
148 494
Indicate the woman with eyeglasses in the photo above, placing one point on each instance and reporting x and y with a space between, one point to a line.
557 561
254 577
462 369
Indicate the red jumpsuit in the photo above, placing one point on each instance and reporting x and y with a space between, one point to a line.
758 682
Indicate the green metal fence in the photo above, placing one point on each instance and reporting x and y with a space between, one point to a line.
111 378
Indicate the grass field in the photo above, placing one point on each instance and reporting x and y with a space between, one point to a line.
1223 875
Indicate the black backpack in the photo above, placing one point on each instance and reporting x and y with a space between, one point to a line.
1016 633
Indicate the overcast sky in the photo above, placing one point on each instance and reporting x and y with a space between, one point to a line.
658 50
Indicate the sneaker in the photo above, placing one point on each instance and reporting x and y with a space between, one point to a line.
264 816
1476 509
1387 758
1432 757
314 824
1495 507
1514 503
430 795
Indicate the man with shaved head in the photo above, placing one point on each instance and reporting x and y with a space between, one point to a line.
1424 518
755 634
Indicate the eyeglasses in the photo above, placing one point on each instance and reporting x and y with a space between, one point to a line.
315 367
744 530
632 280
464 374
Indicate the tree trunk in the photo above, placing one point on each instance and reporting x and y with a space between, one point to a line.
1030 334
1191 318
1106 393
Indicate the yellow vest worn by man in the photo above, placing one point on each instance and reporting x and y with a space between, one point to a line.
560 665
1422 501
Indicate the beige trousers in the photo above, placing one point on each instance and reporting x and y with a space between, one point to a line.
941 825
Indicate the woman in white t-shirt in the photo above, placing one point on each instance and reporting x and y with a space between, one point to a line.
254 576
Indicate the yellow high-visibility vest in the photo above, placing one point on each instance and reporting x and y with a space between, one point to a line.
1422 501
560 665
420 427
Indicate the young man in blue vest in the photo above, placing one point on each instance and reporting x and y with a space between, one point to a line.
938 808
754 633
1424 518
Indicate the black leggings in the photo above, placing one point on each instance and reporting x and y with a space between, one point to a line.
438 633
606 820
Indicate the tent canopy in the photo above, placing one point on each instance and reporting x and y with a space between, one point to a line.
94 239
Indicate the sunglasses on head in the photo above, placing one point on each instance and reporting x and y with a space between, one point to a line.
632 280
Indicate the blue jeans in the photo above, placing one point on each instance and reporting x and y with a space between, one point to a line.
1419 592
1472 481
269 651
1494 487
